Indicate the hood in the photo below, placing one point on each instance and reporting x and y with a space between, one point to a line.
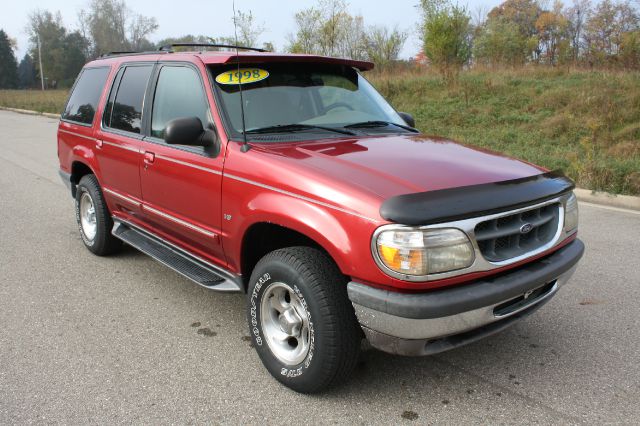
387 166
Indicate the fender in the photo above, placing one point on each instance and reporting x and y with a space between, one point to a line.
332 230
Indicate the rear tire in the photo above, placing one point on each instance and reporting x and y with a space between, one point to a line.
301 321
94 219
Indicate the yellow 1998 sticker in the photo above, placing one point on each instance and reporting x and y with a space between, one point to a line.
242 76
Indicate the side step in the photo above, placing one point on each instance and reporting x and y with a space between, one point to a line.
197 270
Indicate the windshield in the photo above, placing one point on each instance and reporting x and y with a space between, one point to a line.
308 99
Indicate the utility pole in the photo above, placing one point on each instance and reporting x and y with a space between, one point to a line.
40 60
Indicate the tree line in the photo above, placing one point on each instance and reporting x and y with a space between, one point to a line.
584 33
518 32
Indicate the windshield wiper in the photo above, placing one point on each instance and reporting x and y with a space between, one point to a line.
379 123
285 128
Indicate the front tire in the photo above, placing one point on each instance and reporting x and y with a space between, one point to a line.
94 219
301 321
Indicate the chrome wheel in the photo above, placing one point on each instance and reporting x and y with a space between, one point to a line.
88 217
285 324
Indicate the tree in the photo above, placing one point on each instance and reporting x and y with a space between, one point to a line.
183 39
249 31
553 32
112 26
607 27
524 14
500 42
446 36
329 29
577 16
630 50
63 53
306 39
26 72
383 45
8 63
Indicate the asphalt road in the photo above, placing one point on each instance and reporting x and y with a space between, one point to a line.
123 339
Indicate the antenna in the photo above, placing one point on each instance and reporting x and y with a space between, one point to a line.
245 146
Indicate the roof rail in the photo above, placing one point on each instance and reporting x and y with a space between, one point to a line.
169 47
124 52
127 53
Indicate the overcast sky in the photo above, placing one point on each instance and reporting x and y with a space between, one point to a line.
213 17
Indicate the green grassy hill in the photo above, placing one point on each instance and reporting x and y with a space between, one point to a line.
586 123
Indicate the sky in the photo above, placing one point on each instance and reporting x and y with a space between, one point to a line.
214 17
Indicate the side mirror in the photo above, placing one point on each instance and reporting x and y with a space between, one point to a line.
408 118
185 131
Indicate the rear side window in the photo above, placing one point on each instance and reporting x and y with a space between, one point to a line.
125 111
83 102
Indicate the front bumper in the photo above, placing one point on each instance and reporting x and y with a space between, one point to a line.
428 323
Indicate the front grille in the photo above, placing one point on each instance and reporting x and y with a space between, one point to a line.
502 238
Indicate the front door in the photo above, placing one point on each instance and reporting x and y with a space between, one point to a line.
181 184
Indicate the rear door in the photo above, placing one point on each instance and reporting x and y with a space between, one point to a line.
181 184
119 137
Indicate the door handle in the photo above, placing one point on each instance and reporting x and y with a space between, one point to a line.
149 157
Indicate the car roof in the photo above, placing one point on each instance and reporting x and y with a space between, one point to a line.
228 57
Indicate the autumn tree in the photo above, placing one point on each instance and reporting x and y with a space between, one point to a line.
553 34
607 27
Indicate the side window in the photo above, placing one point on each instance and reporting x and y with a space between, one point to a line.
179 94
83 102
126 110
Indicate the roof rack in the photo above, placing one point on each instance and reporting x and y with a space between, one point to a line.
169 47
126 53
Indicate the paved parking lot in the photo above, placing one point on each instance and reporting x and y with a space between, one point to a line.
123 339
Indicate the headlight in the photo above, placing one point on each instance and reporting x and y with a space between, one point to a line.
571 213
422 252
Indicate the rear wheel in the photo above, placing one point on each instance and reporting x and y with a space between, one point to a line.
94 219
301 321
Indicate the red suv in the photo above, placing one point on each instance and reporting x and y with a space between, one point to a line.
291 179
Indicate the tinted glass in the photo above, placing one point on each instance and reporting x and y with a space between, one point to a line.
179 94
329 96
106 115
127 108
85 96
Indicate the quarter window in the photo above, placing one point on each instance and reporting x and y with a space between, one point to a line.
126 110
179 94
83 102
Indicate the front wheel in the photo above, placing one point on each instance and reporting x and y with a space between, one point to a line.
301 321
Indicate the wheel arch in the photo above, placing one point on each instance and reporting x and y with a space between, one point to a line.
79 169
262 238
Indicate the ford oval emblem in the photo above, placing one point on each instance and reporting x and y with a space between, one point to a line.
526 228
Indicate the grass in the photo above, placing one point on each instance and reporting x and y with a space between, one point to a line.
586 123
35 100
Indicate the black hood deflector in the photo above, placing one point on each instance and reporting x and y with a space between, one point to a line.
446 205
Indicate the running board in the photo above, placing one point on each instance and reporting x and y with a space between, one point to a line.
197 270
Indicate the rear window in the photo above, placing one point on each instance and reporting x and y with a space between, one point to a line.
83 102
126 108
